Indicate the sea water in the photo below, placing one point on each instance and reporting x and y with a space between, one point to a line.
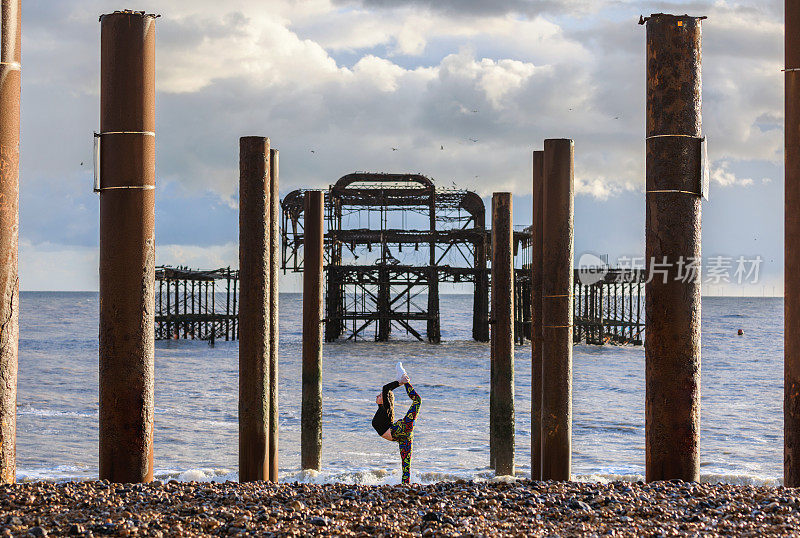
197 385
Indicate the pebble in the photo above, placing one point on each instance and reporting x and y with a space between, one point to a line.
523 507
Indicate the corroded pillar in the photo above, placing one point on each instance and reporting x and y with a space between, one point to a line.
557 254
672 238
536 317
791 384
502 342
10 58
127 246
255 210
311 412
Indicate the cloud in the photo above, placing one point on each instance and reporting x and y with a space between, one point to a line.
348 80
721 175
481 8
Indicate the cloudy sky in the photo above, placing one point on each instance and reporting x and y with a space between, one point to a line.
351 79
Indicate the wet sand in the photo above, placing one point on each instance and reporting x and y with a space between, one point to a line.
523 508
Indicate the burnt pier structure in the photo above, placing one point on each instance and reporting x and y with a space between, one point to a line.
190 304
391 240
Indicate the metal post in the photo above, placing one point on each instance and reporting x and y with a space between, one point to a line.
433 329
177 326
672 235
480 302
10 75
254 314
275 241
127 246
185 304
227 304
791 384
502 346
311 413
557 275
536 317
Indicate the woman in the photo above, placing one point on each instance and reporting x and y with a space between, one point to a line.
402 431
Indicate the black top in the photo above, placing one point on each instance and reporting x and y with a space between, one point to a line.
381 421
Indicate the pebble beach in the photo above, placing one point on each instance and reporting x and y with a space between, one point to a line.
460 508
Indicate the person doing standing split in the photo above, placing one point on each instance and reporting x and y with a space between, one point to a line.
401 431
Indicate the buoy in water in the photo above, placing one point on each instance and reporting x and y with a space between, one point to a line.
741 332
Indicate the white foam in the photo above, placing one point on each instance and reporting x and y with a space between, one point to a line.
29 410
370 477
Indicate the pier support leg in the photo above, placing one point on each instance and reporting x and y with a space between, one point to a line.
536 317
791 384
254 308
672 347
127 246
10 54
311 413
275 245
433 328
557 254
480 301
502 344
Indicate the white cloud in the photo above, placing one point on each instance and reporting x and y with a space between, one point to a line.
721 175
204 257
352 80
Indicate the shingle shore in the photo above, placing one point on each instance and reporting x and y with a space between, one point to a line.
523 508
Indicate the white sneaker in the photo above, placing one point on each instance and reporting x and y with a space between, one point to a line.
400 371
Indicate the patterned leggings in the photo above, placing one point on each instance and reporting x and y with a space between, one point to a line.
403 432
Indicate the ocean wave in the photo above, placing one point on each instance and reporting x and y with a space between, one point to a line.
34 411
372 477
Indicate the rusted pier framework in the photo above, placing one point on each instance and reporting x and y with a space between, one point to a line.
190 305
611 309
672 238
791 383
381 231
10 68
391 239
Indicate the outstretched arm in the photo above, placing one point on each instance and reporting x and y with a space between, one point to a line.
387 388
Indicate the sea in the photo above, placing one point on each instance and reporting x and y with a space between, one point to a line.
196 390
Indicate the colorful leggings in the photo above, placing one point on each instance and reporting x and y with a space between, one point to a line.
403 432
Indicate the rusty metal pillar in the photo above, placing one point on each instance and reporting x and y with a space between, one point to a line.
275 245
672 236
502 345
480 301
536 317
557 275
791 384
434 332
254 308
10 67
127 245
311 413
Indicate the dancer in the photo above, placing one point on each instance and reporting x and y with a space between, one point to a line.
402 431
